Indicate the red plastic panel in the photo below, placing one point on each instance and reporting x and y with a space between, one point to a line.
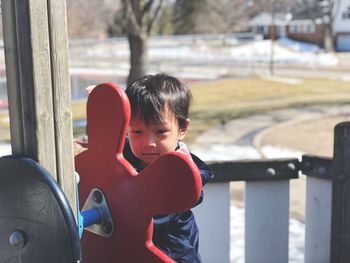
170 184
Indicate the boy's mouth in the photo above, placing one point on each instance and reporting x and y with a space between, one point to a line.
150 154
149 157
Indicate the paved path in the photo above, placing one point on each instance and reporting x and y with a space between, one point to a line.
301 130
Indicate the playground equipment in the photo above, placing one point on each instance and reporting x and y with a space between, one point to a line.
41 128
37 223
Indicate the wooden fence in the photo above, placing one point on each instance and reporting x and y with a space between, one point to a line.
266 204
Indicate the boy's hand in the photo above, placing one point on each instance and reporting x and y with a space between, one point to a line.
90 88
184 150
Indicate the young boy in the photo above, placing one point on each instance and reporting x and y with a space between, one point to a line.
159 121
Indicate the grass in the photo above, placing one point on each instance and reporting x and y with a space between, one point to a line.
220 101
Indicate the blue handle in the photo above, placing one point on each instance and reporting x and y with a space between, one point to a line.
96 213
90 217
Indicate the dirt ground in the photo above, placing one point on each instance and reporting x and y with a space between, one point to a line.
308 130
311 136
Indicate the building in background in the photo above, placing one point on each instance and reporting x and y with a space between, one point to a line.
341 26
301 27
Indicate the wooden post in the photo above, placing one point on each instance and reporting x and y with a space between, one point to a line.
36 53
340 231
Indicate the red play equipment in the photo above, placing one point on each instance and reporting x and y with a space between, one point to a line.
169 185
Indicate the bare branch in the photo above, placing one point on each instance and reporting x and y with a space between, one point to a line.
147 7
133 21
153 17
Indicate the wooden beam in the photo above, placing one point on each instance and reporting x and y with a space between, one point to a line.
12 74
257 170
36 55
62 98
28 70
316 166
41 131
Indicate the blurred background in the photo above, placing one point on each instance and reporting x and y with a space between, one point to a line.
270 78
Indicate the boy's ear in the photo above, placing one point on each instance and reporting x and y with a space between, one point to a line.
183 130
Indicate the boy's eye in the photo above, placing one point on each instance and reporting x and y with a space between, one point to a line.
136 131
162 131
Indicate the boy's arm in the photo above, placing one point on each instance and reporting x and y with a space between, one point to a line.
204 170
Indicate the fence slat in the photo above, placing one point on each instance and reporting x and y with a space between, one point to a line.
266 221
318 220
213 218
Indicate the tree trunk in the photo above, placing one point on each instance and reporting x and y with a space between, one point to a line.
328 38
138 56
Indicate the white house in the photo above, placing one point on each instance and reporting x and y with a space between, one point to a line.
341 25
261 24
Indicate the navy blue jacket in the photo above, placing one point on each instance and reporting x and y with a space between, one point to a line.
176 234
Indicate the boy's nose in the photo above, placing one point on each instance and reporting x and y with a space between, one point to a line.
150 141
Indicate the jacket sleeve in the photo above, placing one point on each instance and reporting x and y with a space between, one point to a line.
205 172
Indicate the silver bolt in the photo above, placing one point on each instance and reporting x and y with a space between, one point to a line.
322 170
17 239
107 227
271 171
291 166
97 196
307 166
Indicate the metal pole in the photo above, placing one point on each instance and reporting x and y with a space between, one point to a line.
272 37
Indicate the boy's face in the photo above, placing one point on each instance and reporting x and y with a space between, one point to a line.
149 142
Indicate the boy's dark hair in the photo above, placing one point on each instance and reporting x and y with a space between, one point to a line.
150 95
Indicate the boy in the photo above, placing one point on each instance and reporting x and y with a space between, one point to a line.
159 121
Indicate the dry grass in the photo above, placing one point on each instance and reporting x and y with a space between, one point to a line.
219 101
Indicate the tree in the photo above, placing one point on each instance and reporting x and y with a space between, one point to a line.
164 25
210 16
227 16
88 18
328 18
184 16
224 16
140 18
